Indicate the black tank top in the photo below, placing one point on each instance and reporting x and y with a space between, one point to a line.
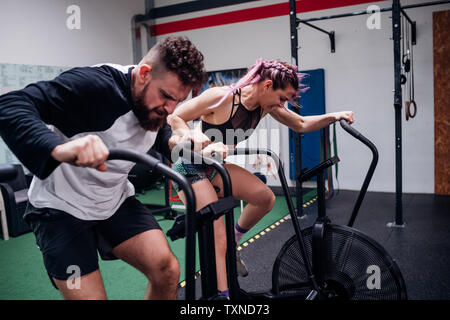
237 128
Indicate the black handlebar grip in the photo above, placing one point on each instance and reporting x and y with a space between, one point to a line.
133 156
355 133
189 145
7 172
349 128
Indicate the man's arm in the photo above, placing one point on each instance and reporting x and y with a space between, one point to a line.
23 130
76 101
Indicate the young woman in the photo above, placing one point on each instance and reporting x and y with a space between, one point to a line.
264 90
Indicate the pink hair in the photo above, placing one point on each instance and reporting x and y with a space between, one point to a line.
281 74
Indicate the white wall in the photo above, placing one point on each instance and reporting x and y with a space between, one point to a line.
35 32
358 77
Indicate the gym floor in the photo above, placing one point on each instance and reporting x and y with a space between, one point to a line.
421 249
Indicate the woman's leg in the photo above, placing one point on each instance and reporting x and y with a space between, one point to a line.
249 188
204 195
260 200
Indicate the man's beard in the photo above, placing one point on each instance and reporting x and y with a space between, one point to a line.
151 120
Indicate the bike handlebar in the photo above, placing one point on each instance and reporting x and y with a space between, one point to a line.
355 133
352 131
158 166
7 172
196 158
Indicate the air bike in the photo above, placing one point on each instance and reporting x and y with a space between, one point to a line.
8 172
324 261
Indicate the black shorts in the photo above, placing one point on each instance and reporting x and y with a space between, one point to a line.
67 242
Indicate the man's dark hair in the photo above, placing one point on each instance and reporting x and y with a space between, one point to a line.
180 56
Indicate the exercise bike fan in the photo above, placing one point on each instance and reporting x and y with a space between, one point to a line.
357 268
345 263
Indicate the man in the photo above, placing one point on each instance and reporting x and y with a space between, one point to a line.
78 203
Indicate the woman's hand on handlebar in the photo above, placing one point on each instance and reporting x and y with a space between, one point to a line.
199 139
88 151
346 115
215 150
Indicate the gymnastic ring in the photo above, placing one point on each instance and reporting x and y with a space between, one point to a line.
408 109
402 79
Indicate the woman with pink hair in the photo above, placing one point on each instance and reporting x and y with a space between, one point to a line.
228 116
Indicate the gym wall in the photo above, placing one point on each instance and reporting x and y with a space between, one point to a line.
35 32
359 76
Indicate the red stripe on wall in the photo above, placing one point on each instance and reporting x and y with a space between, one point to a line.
270 11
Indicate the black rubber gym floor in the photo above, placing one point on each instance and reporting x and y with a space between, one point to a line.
421 248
